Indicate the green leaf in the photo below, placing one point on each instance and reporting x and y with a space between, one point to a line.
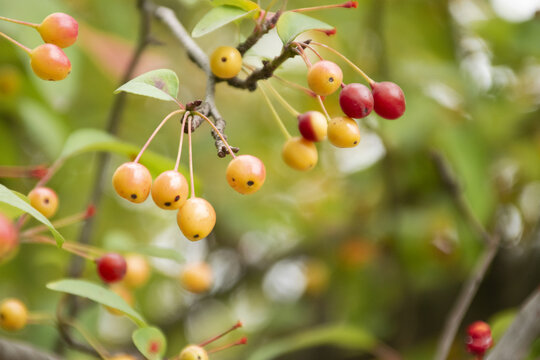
11 211
13 199
246 5
150 341
88 140
343 336
161 84
292 24
218 17
120 241
98 294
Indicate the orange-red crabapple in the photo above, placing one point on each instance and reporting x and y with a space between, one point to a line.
170 190
324 77
49 62
196 218
389 100
45 201
300 154
9 238
197 277
246 174
132 181
343 132
59 29
226 62
13 315
193 352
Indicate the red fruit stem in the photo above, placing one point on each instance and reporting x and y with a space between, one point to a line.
28 51
242 341
69 220
234 327
301 52
22 171
183 126
346 5
276 115
217 132
310 48
283 102
191 161
154 134
19 22
295 85
364 75
323 107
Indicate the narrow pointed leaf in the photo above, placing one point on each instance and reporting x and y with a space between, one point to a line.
218 17
161 84
150 341
292 24
12 199
98 294
246 5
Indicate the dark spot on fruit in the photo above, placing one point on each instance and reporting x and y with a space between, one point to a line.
51 79
196 236
233 179
331 79
46 200
224 59
250 182
199 357
167 203
177 198
2 316
356 142
133 196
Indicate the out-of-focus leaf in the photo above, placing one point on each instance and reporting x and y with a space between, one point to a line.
218 17
13 199
12 211
150 341
246 5
292 24
98 294
161 84
500 322
343 336
44 127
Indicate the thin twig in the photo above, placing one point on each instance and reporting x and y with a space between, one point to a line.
15 350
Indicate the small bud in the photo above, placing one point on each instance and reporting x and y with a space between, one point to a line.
350 4
479 338
90 211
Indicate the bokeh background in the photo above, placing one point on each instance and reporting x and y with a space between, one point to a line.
369 245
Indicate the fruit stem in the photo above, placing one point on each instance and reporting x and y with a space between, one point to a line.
40 318
234 327
242 341
191 160
28 51
323 107
364 75
283 101
69 220
301 52
217 132
23 171
41 239
19 22
295 85
181 141
276 116
346 5
312 49
154 134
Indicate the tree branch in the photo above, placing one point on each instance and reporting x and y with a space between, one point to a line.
14 350
525 329
470 288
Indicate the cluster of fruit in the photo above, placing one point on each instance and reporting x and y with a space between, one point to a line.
324 78
48 61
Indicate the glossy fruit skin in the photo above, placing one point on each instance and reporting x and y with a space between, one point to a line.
45 200
197 278
300 154
196 218
49 62
59 29
13 315
132 181
356 101
125 294
193 352
9 238
313 126
137 272
479 338
389 100
324 77
111 267
246 174
170 190
226 62
343 132
123 357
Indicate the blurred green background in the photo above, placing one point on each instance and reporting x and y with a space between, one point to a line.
368 243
